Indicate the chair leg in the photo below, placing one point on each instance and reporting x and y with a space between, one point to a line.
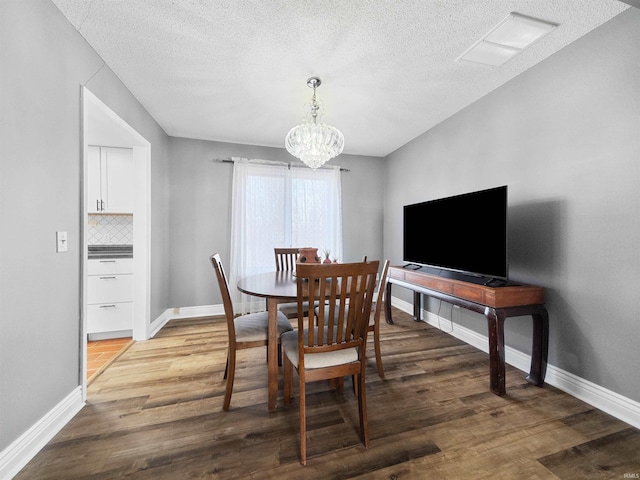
231 371
279 355
339 383
376 343
362 411
226 368
303 424
288 380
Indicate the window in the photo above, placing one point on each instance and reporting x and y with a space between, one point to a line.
276 205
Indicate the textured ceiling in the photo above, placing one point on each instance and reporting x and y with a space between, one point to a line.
236 70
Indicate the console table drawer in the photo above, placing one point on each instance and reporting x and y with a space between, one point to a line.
433 283
469 292
514 296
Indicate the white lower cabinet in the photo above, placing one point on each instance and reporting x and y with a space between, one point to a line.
109 288
109 297
110 317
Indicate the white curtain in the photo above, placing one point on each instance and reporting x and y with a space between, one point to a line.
277 205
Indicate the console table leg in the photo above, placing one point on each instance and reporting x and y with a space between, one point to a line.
495 323
540 346
387 304
417 306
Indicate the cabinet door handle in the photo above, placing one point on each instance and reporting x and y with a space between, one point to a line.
107 261
107 278
97 205
102 205
107 306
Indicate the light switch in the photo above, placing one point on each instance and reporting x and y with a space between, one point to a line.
61 242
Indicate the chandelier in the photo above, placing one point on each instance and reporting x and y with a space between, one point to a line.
313 141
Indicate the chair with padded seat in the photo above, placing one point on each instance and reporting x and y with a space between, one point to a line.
286 259
374 320
244 331
330 342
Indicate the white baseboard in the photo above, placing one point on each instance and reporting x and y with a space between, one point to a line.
22 450
159 322
194 312
183 312
599 397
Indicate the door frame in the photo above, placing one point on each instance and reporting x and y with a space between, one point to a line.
97 120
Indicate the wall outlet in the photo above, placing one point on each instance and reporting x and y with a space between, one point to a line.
61 242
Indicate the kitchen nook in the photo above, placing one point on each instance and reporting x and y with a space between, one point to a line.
110 267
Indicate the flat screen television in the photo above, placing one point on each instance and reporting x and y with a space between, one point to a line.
463 234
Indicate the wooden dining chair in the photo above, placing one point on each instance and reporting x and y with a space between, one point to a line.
376 312
330 344
286 259
245 331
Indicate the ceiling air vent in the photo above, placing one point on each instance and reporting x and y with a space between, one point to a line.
506 40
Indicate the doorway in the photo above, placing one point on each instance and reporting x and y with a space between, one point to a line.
102 126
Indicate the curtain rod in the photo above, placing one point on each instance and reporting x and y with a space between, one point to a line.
292 164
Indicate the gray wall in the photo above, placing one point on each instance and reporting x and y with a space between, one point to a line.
44 62
565 138
201 211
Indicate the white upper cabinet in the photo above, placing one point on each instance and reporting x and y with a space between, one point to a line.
111 180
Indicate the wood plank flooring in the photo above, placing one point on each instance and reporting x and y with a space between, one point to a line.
156 413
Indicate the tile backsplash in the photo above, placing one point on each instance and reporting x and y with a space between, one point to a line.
110 230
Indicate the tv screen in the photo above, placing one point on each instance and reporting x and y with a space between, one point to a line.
465 233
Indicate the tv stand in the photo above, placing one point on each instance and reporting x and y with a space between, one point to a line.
495 303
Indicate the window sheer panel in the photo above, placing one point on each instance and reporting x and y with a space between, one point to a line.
317 210
265 218
257 223
278 206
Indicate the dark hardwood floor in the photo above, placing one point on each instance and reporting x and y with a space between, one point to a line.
156 413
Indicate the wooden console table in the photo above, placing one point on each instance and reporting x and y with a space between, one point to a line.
495 303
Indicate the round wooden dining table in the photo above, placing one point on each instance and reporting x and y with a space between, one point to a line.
276 288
